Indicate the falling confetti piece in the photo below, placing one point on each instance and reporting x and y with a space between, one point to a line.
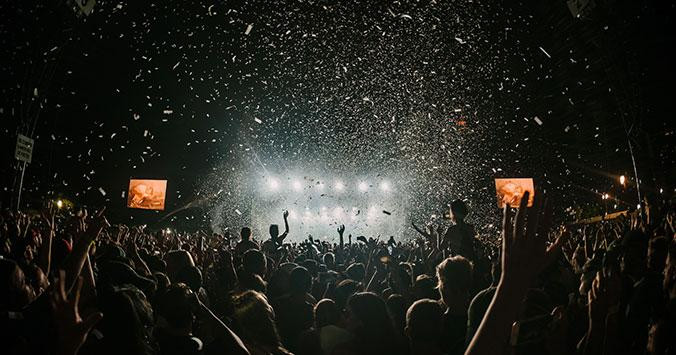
102 191
248 29
545 52
537 119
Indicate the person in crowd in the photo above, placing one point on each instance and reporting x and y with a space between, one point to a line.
424 320
455 282
460 236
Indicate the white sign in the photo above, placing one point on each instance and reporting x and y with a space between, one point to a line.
24 148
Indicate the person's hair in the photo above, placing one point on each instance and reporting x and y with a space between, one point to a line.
256 319
371 311
175 305
459 209
245 233
424 321
344 290
191 276
274 230
177 260
455 273
329 258
356 272
12 286
128 316
252 282
254 262
300 280
326 312
396 307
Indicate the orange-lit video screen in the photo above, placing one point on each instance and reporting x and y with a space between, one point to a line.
510 191
147 194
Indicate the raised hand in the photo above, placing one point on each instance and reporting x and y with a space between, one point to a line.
285 214
524 242
72 329
341 229
524 255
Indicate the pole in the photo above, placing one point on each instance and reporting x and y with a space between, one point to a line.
18 198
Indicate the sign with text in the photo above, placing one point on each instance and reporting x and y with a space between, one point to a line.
24 149
147 194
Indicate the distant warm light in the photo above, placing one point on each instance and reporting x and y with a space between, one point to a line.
363 186
168 231
661 190
297 186
59 204
340 186
638 206
385 186
273 184
605 196
622 180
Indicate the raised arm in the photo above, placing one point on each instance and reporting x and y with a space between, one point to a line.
524 255
76 259
281 238
45 255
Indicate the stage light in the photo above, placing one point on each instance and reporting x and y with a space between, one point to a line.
59 204
273 184
622 179
363 186
385 186
340 186
297 186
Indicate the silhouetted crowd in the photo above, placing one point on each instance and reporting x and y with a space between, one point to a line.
71 283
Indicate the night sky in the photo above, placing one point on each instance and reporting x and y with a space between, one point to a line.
439 96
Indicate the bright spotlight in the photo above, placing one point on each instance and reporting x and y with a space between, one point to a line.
340 186
59 204
622 179
297 186
385 186
363 186
273 184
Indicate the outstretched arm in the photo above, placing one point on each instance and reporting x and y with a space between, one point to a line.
281 238
524 255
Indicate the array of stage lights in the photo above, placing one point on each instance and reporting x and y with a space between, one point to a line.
317 205
274 185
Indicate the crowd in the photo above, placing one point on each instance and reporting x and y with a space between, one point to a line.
71 283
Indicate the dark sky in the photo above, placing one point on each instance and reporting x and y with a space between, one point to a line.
443 96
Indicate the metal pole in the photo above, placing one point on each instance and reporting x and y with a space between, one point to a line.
18 199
